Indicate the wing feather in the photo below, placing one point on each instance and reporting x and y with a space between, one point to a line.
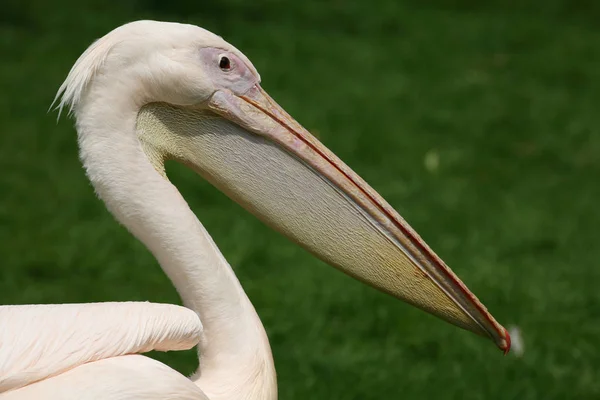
130 377
40 341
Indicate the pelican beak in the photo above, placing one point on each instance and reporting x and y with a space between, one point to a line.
252 150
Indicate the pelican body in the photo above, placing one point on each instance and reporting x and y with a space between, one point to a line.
149 92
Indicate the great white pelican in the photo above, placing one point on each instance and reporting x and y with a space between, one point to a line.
152 91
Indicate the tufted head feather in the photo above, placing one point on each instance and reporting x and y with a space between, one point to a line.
82 73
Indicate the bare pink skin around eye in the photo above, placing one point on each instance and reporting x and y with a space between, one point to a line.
238 78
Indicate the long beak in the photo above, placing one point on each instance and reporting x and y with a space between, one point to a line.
266 161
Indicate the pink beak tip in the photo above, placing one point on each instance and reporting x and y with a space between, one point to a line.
505 344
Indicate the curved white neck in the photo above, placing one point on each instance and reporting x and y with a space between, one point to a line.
235 356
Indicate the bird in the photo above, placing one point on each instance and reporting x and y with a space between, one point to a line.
148 92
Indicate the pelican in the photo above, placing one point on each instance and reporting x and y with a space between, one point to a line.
148 92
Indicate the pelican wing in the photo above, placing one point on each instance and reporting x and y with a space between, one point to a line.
129 377
41 341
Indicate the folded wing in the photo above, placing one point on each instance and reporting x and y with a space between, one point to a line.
41 341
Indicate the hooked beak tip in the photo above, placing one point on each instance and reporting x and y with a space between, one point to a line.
505 347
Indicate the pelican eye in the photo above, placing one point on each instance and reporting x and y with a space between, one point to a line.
225 63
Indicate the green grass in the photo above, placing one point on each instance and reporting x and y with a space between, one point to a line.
505 96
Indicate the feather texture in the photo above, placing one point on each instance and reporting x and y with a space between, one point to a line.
130 377
45 340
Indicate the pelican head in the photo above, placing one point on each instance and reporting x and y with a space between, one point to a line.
193 97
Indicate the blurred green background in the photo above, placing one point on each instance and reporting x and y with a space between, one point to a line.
478 121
